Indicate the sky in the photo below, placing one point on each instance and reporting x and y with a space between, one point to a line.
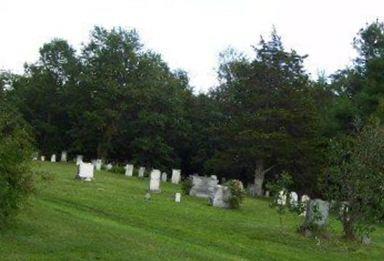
190 34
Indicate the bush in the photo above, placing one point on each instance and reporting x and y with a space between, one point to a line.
15 157
186 185
237 193
118 169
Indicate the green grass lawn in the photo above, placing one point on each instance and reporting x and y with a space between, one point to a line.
109 219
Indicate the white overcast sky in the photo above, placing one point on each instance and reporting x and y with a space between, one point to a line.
191 33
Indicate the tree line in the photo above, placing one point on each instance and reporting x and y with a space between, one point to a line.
113 99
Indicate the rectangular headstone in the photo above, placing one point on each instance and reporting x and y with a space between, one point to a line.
42 158
109 166
141 172
98 164
129 170
53 158
176 177
63 156
154 183
178 197
220 197
164 177
79 159
85 171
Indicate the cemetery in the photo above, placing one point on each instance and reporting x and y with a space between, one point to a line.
259 151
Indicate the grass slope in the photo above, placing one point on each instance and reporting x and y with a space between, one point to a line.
109 219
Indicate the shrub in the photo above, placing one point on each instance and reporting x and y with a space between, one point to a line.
237 193
186 185
15 157
118 169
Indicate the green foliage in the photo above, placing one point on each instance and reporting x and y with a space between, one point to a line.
268 115
186 185
237 193
354 179
118 169
15 156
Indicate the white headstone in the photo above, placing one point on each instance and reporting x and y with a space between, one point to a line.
304 202
42 158
176 176
85 171
141 172
98 164
282 198
129 170
63 156
220 197
178 197
293 199
154 183
79 159
267 193
109 166
53 158
164 177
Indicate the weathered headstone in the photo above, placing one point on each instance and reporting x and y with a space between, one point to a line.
317 213
267 193
98 164
154 183
304 202
109 166
53 158
178 197
79 159
141 172
202 187
129 170
252 190
85 171
176 177
63 156
42 158
293 199
164 177
282 198
220 197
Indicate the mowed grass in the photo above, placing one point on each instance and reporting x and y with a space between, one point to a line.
109 219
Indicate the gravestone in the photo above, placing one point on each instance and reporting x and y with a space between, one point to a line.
154 183
141 172
98 164
109 166
164 177
267 193
282 198
178 197
79 159
53 158
176 176
293 199
220 197
317 213
202 187
42 158
85 171
252 190
129 170
304 202
63 156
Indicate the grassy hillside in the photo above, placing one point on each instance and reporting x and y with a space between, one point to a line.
109 219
